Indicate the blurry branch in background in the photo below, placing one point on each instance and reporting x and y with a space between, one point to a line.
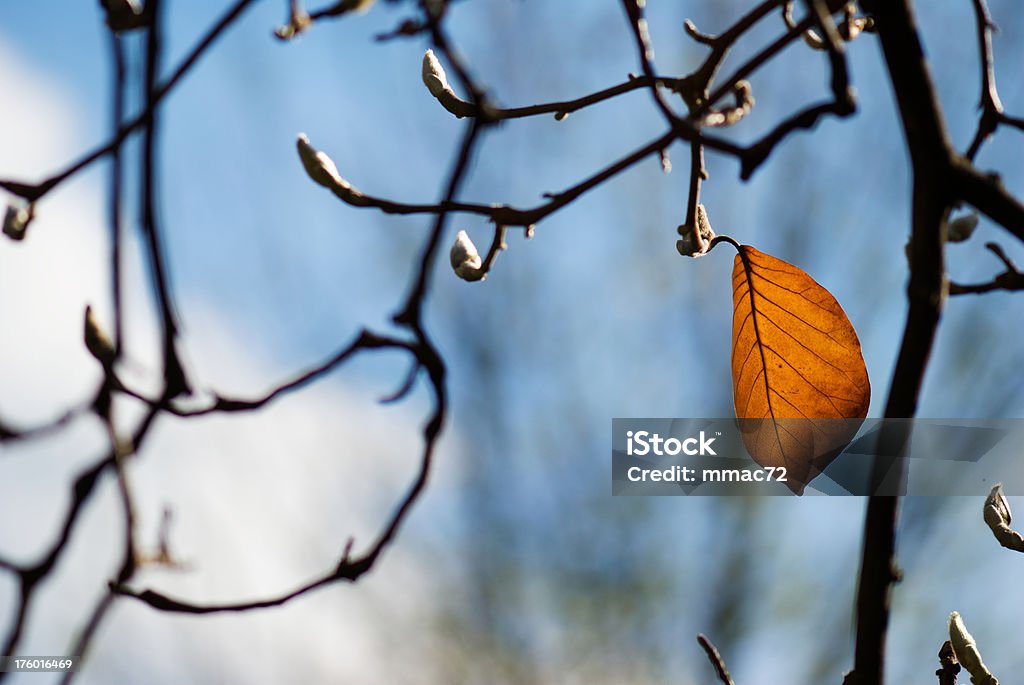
299 20
175 382
716 660
851 26
34 191
1010 279
348 568
421 347
996 513
992 114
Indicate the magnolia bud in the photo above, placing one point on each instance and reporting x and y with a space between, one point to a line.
962 227
996 513
322 170
687 245
465 259
16 221
96 341
436 82
966 650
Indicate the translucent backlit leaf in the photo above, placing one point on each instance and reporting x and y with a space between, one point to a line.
800 386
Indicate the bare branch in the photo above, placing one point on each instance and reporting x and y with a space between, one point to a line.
34 191
930 154
1011 279
987 194
716 660
175 382
510 216
694 88
992 114
949 667
347 569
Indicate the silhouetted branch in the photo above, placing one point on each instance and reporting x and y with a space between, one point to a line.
694 88
34 191
930 154
116 195
1011 279
175 382
949 667
992 114
505 215
29 576
638 25
9 433
366 340
987 194
347 569
716 660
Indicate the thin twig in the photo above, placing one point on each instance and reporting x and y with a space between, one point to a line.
511 216
10 433
115 198
566 107
638 25
1010 279
949 667
34 191
694 87
716 660
347 569
175 383
31 575
992 114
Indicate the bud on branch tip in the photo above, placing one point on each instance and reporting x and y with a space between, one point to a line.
323 171
695 243
966 650
17 219
436 82
998 518
97 341
466 259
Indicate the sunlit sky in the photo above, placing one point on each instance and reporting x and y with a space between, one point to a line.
595 317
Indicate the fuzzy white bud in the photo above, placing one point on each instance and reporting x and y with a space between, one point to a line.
323 171
966 650
436 82
962 227
465 258
16 221
996 513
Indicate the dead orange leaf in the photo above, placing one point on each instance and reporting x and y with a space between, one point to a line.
800 386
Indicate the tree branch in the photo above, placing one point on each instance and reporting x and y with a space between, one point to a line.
34 191
992 114
1011 279
931 155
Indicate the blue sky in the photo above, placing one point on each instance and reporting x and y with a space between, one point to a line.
595 317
